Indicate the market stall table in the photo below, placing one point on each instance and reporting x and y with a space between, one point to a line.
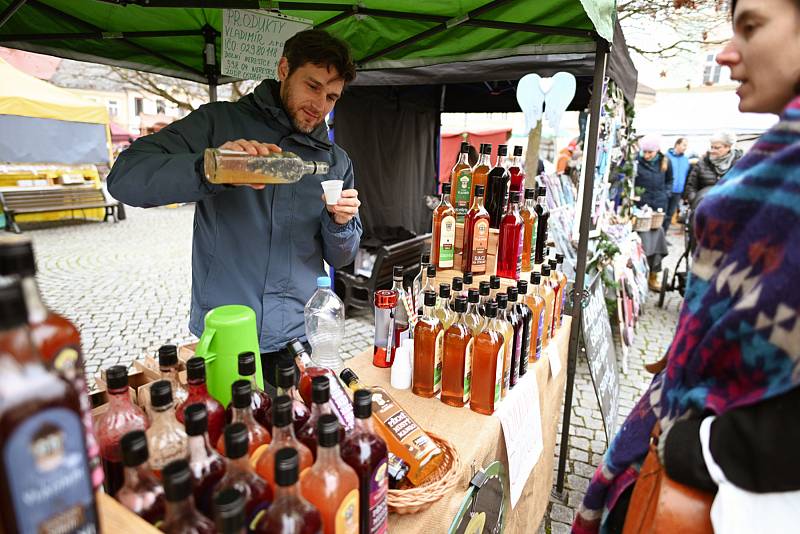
479 441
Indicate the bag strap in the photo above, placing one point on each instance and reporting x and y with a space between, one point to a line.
714 470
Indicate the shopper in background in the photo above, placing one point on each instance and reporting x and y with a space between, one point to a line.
729 390
680 170
714 165
260 246
654 176
565 156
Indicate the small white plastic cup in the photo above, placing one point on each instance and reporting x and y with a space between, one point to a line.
333 190
400 376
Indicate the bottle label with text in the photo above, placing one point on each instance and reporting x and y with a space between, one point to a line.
463 187
447 240
378 493
480 246
437 363
346 521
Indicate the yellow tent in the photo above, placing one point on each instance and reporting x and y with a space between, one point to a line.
48 136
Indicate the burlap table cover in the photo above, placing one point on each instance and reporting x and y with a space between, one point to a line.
479 441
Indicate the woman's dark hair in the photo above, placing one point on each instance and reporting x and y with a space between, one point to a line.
320 48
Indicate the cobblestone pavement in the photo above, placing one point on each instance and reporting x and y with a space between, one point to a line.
127 287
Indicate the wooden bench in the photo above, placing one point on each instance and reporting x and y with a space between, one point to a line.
22 200
357 291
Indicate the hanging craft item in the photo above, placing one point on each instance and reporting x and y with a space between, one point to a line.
550 97
483 510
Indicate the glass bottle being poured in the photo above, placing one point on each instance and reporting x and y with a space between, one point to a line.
233 167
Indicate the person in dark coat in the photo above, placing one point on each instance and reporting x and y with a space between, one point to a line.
654 175
714 165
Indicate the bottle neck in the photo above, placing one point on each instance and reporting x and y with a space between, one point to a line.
37 311
163 415
198 448
477 202
530 203
180 509
283 433
292 491
472 307
318 409
241 464
502 161
540 201
243 415
170 373
364 425
119 399
197 387
463 159
484 160
427 312
134 475
328 456
290 392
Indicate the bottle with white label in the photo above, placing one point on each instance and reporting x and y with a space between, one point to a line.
457 359
45 481
428 347
487 365
443 241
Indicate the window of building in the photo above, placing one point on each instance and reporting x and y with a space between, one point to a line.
712 71
161 107
138 106
113 108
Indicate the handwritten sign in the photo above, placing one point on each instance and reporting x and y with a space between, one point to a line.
252 42
521 419
602 358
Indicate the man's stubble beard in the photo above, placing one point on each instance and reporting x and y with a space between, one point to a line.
286 97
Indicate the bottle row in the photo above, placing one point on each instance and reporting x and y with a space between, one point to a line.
473 349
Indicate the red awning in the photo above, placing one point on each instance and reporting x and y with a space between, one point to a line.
120 134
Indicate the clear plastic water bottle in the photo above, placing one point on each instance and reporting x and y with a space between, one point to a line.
324 317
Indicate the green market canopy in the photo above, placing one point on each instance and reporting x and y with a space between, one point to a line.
394 42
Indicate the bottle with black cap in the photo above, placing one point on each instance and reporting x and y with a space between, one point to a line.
535 302
476 236
507 329
52 406
330 484
426 379
543 218
260 401
282 436
494 286
403 311
456 290
549 294
290 513
321 405
517 171
419 280
229 513
514 317
166 438
206 465
526 316
286 386
443 228
56 339
529 222
366 452
141 493
340 401
473 318
242 412
461 183
484 291
198 394
509 247
497 188
239 473
430 280
487 361
443 311
562 283
457 359
120 417
480 172
182 515
169 366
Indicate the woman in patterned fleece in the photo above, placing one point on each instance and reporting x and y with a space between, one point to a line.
735 359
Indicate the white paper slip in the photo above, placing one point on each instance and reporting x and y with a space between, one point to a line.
554 358
521 419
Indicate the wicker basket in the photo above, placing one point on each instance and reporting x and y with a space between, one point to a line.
643 224
657 220
439 484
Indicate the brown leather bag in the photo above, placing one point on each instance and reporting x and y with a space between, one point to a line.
659 505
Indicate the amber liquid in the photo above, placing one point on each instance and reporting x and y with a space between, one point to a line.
476 245
562 282
507 330
529 219
555 284
265 463
510 245
327 485
485 377
480 175
257 434
367 454
445 209
427 378
457 349
536 304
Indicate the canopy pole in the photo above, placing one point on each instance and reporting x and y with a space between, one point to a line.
10 10
601 58
210 61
